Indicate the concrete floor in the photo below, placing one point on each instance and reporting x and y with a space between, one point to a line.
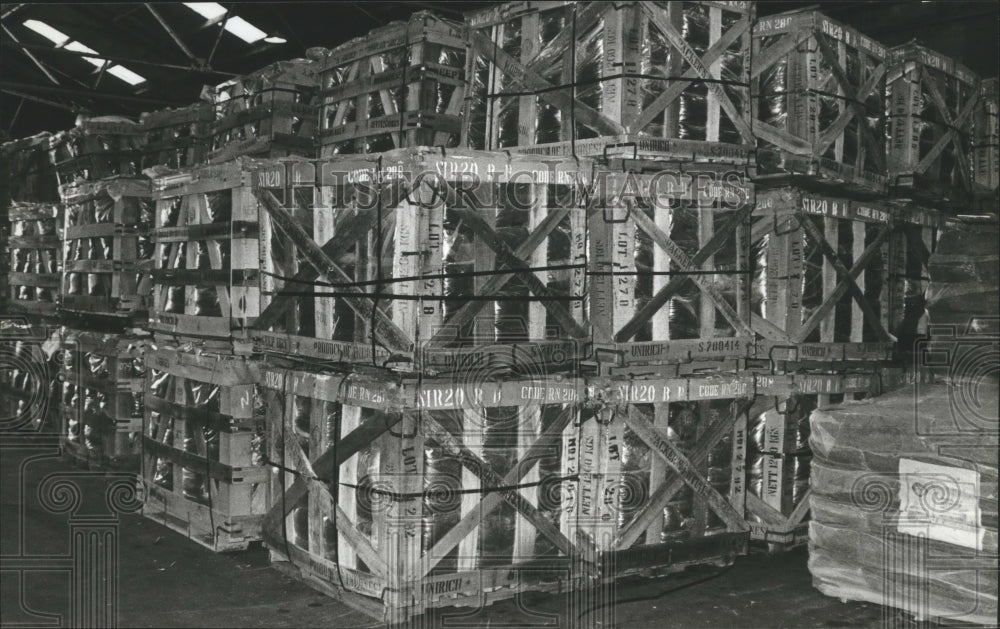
165 580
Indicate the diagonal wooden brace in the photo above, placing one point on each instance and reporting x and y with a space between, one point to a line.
384 329
506 257
719 428
689 55
846 282
528 81
777 51
324 464
676 88
853 96
349 230
493 285
683 263
663 446
833 132
953 125
474 463
658 300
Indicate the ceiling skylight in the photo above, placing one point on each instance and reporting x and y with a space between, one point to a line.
126 75
76 46
244 30
61 39
55 36
207 10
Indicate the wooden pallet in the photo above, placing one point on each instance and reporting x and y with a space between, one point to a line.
804 62
986 142
401 85
559 77
97 148
200 465
28 171
102 384
108 256
35 257
931 101
269 113
176 138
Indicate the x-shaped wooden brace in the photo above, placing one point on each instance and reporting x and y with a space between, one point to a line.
764 60
699 67
452 444
855 110
774 519
685 470
951 136
527 80
684 264
506 258
658 300
316 474
847 281
322 263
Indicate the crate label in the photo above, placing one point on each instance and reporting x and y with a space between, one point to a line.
270 178
940 502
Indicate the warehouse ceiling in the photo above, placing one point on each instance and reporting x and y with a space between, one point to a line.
144 57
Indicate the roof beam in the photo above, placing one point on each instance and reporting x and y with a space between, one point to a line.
41 66
122 60
173 35
69 91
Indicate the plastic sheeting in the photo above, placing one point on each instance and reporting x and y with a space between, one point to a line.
865 453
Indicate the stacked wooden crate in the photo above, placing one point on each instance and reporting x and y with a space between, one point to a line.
268 113
986 145
101 391
202 463
931 101
176 138
35 259
593 78
819 110
401 85
28 392
97 148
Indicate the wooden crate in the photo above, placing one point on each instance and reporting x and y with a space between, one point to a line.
268 113
106 249
35 254
28 393
201 464
819 113
931 102
660 226
205 268
389 497
838 279
427 217
101 409
28 171
176 138
597 78
401 85
986 141
97 148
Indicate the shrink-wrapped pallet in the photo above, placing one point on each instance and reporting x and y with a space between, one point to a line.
904 501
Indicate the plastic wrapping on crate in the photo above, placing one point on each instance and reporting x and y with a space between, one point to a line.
29 174
35 256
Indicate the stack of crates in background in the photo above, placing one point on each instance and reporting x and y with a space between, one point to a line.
176 138
101 397
31 238
932 100
202 465
401 85
97 148
268 113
